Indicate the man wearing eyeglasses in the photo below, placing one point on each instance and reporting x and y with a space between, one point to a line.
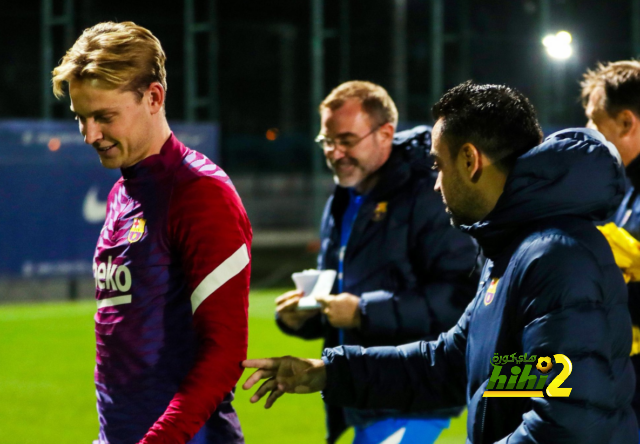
404 273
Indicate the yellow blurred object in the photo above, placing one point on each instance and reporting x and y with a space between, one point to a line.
635 345
626 250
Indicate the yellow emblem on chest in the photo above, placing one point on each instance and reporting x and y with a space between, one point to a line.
137 229
491 291
380 212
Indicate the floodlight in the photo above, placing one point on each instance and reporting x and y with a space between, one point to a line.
559 45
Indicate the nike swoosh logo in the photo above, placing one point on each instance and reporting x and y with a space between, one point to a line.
396 438
93 210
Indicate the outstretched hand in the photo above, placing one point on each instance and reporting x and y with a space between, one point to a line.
285 375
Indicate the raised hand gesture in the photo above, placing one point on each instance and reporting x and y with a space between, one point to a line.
285 375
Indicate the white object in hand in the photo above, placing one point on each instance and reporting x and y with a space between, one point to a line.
313 283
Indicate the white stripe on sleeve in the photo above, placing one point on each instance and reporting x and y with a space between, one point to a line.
111 302
206 168
233 265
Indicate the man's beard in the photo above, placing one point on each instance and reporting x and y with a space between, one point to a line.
342 180
458 220
467 208
455 222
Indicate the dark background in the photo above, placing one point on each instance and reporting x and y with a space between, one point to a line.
263 84
505 48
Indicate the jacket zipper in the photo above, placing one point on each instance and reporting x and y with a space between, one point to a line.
484 414
484 400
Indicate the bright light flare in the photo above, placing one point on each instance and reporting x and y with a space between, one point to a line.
563 37
558 46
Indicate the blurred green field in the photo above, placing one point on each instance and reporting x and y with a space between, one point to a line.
46 379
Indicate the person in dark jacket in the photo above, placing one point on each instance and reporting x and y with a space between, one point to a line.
405 273
549 287
611 97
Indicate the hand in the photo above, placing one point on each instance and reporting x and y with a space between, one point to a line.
287 309
342 311
285 375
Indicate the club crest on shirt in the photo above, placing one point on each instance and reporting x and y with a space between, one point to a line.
137 229
491 291
380 212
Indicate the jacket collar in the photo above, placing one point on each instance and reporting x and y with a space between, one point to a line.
574 173
156 165
395 173
633 172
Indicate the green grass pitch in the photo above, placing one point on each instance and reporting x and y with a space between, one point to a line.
46 379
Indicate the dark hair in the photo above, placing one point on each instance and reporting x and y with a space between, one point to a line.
621 83
496 119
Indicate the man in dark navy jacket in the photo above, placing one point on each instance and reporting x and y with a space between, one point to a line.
404 273
549 287
611 97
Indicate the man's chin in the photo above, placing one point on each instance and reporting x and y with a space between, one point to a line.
345 182
110 164
456 220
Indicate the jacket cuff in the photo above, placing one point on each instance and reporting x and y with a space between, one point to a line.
377 313
339 388
310 329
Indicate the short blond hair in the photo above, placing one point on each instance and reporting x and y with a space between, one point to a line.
375 100
620 82
121 55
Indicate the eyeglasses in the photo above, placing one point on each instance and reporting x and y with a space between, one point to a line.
342 144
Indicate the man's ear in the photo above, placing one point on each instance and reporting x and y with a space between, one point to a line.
471 160
386 132
627 122
156 97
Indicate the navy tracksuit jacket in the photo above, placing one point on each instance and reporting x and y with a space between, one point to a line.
559 292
